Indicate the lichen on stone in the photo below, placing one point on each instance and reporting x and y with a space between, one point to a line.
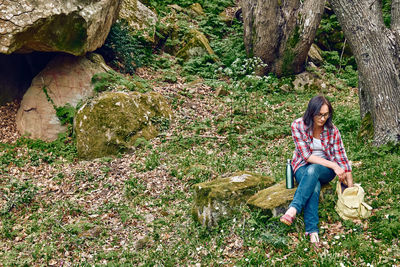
218 198
274 200
113 122
196 45
270 199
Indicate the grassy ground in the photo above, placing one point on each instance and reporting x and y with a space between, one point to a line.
134 209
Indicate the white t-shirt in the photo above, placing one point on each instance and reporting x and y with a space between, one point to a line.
316 148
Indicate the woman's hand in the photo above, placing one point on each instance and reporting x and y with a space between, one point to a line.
340 173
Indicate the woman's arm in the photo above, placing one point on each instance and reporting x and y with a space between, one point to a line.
349 179
329 164
340 153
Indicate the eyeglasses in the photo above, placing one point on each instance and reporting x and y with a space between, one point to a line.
325 115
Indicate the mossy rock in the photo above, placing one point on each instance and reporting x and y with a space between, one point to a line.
198 9
218 198
314 55
113 122
139 18
275 200
223 16
196 46
74 27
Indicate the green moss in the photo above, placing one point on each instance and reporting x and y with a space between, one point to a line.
287 62
73 36
113 122
198 40
295 38
271 198
289 54
66 33
221 196
366 131
275 199
70 36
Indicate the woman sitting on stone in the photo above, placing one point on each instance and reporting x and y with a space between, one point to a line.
318 157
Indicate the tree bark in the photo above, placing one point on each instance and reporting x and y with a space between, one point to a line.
281 32
376 50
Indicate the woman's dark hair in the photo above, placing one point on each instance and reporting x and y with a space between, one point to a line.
314 106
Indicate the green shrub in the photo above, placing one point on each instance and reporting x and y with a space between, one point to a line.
203 66
330 38
124 50
66 114
19 194
111 81
152 161
386 10
133 188
350 76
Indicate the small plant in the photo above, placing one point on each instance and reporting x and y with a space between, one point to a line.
126 50
114 81
18 194
170 77
161 122
133 188
152 161
64 113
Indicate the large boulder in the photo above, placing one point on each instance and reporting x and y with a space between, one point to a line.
113 122
139 17
66 79
71 26
216 199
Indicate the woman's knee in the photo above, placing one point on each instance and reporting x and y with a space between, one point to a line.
313 171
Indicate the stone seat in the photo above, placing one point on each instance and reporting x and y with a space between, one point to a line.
275 200
219 197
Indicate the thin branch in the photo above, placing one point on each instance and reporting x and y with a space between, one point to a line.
341 55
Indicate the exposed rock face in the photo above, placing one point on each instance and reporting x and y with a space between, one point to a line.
139 17
67 79
71 26
218 198
113 122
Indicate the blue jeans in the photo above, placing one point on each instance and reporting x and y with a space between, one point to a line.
309 179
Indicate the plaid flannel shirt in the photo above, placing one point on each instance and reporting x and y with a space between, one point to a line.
331 143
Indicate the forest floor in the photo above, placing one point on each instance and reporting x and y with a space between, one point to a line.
135 208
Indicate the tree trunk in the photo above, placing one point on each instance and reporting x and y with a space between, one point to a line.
376 50
281 32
